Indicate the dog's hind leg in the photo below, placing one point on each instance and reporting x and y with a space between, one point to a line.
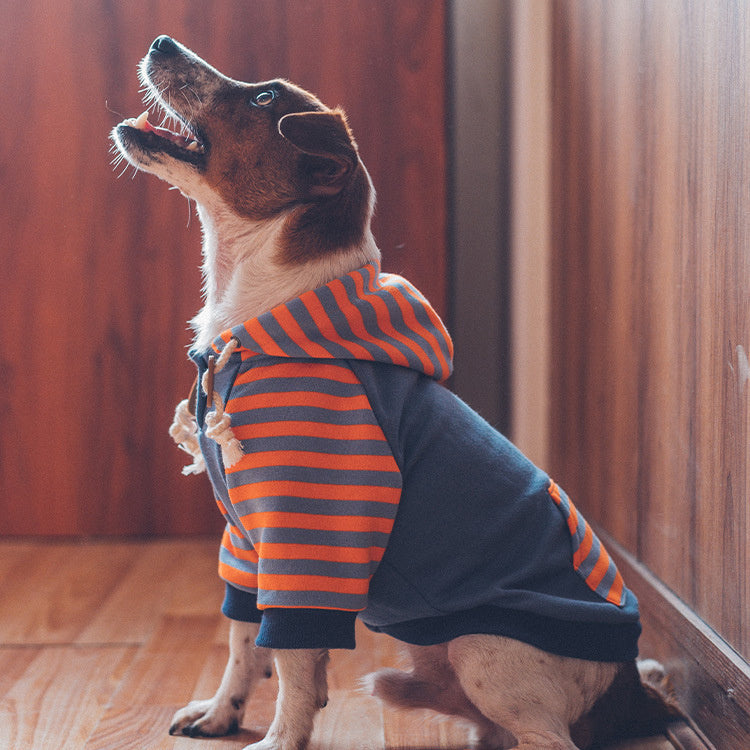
302 691
535 695
222 714
433 684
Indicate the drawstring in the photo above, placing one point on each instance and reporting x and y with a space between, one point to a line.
184 429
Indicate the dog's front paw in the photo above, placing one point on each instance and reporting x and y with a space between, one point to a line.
207 718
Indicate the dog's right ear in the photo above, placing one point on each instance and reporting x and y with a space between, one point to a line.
326 138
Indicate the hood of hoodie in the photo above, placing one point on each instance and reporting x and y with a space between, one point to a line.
366 315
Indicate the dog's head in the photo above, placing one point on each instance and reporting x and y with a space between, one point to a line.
262 148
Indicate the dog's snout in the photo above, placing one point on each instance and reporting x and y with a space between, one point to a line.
164 44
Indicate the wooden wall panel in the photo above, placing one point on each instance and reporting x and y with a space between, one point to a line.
651 287
100 275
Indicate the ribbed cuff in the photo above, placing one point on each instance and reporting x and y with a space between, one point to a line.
306 628
240 605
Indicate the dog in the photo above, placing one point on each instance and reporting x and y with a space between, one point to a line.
352 482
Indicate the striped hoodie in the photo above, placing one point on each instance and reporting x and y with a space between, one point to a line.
367 489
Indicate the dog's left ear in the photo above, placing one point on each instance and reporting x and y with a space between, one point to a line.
326 138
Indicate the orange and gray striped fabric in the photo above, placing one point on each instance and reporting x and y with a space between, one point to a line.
365 315
312 503
590 558
316 492
310 507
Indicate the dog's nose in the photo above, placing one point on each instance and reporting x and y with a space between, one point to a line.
164 44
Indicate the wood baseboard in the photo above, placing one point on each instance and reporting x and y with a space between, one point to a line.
712 681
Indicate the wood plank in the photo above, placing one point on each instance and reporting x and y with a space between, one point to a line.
161 679
53 597
176 577
58 699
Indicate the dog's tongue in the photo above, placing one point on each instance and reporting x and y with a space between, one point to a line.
142 123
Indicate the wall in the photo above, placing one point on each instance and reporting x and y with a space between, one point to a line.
100 274
650 320
479 105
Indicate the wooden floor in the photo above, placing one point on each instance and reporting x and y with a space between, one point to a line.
101 642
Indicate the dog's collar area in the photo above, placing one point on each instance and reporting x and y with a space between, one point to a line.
187 140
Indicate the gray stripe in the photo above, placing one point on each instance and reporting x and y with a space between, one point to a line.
270 385
316 507
240 542
359 539
331 446
312 599
304 414
342 477
318 568
609 578
229 559
279 336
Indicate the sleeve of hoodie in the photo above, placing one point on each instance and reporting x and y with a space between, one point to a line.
314 497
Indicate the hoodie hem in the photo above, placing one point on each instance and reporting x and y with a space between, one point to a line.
591 641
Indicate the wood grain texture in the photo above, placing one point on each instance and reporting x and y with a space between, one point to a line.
651 288
711 681
100 275
151 655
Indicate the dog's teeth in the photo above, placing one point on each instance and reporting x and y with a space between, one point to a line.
193 146
140 123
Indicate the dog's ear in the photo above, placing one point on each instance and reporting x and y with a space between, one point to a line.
324 137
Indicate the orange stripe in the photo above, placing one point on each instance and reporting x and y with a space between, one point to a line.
599 570
309 429
280 582
240 577
357 324
255 490
554 491
281 551
293 329
325 326
339 373
265 342
310 460
297 398
615 593
225 337
279 520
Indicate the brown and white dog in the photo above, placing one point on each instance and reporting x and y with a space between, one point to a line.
285 204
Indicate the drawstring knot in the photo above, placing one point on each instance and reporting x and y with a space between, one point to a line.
184 429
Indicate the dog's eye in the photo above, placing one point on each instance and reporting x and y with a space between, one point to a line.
264 98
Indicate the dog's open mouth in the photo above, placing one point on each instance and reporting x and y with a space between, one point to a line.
186 145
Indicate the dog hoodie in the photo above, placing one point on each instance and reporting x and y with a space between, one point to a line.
362 487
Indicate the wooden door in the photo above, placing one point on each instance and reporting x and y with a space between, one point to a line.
100 274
